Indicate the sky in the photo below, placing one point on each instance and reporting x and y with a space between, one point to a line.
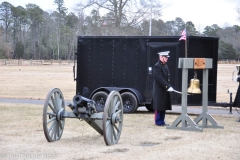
201 12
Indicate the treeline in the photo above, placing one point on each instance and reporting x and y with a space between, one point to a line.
32 33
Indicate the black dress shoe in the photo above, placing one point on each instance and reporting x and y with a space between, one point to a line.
162 125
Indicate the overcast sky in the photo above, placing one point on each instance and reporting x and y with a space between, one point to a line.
200 12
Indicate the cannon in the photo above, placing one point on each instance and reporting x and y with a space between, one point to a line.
108 123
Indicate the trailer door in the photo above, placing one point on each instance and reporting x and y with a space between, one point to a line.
153 57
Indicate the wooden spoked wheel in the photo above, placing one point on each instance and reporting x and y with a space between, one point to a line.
53 122
112 118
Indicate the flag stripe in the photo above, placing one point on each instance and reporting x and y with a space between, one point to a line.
183 35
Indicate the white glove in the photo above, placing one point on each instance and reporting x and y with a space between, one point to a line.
170 89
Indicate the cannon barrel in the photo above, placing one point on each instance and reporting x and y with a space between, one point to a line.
83 105
80 100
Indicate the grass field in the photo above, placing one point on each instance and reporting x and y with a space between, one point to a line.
35 81
22 137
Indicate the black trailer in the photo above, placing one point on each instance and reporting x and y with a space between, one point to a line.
124 63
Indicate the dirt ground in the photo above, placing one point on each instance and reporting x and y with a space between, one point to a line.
22 137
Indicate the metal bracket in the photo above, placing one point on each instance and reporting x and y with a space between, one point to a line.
205 117
187 123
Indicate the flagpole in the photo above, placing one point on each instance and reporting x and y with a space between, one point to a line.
184 37
186 47
186 43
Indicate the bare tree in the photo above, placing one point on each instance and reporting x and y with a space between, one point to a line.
35 16
125 12
6 16
61 14
238 11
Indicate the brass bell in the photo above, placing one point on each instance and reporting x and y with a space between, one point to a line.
194 86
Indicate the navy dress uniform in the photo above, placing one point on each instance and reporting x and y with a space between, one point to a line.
236 102
161 88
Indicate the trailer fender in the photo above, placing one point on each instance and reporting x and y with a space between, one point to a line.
135 92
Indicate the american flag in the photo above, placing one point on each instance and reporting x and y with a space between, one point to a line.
183 35
104 23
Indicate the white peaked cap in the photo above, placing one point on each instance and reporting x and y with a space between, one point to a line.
165 53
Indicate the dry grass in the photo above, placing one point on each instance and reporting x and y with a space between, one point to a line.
35 81
22 137
224 82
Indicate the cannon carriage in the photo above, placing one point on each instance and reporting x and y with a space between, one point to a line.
108 123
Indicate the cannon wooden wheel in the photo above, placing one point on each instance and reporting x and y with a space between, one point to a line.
112 118
54 107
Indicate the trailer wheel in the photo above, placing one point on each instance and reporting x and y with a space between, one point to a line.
130 103
100 98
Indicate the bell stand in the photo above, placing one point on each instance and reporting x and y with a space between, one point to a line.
187 122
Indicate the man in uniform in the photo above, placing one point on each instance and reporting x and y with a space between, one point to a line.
236 102
161 89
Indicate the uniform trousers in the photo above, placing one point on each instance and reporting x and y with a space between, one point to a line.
159 117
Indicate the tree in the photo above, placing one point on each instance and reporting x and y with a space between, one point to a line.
226 51
211 30
19 16
19 50
5 48
236 28
6 16
53 35
35 17
62 10
158 27
191 30
125 12
2 47
71 22
145 28
60 21
21 25
238 11
179 25
230 35
171 29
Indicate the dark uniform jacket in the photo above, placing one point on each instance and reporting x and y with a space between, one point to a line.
161 97
236 102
